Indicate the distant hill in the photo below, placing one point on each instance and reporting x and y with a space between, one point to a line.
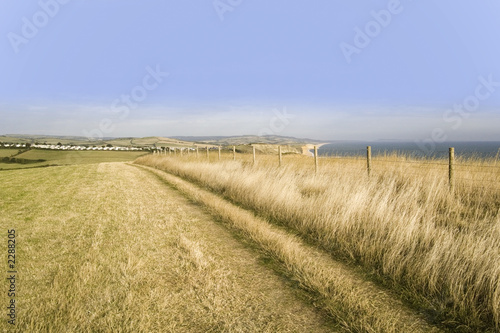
247 139
160 141
81 140
50 139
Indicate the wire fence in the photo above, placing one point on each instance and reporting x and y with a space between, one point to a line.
460 171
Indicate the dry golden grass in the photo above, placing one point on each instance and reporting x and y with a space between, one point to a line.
356 304
438 250
110 248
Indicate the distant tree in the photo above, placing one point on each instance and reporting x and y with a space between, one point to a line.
59 144
109 145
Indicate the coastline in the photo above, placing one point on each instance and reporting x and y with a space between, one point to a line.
308 148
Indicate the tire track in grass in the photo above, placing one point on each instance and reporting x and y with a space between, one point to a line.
357 304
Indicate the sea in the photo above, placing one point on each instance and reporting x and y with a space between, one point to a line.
464 149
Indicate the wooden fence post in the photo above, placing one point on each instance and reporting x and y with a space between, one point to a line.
279 153
208 155
197 152
316 159
369 160
451 172
234 153
253 148
219 153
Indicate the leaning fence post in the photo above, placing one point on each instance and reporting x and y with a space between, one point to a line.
369 159
316 159
451 172
253 149
234 153
279 153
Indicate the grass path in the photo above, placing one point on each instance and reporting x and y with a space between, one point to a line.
109 248
354 302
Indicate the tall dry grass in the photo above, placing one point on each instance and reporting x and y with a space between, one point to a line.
440 250
357 305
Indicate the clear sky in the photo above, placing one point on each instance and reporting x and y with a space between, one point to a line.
321 69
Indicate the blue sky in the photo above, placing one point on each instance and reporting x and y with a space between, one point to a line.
323 69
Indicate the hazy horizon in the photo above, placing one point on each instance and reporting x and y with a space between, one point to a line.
197 137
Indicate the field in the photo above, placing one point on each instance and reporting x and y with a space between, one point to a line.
7 152
437 250
175 243
64 157
110 248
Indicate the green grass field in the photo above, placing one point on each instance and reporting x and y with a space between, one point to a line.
7 152
60 157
